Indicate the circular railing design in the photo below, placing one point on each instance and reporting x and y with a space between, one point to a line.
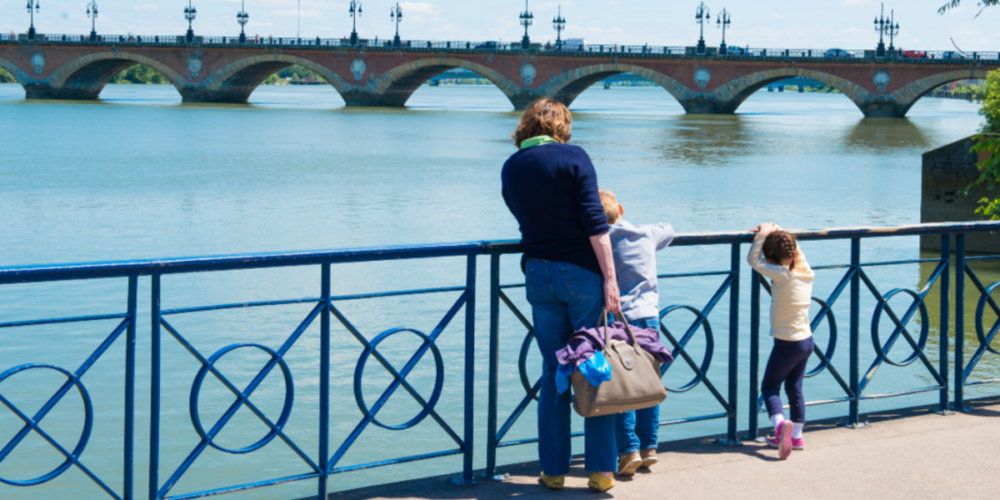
986 339
438 380
522 365
831 345
679 346
883 351
88 424
286 409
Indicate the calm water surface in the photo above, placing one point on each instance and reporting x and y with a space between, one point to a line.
140 176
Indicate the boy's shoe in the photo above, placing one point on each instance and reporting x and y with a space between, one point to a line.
554 482
798 444
600 483
648 457
628 463
782 439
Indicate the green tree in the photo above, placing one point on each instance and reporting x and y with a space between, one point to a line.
6 77
139 74
983 4
988 141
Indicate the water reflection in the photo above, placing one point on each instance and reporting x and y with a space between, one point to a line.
879 134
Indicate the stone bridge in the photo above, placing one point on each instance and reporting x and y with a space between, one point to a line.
388 76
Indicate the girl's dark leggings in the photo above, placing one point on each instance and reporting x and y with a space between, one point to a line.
787 365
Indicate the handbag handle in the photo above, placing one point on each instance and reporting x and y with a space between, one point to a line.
628 329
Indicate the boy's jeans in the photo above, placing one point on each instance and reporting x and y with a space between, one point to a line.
565 298
638 430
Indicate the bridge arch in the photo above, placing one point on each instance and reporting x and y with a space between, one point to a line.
567 86
84 78
731 95
394 87
14 71
234 82
907 95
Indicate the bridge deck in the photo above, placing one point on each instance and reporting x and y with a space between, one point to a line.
904 454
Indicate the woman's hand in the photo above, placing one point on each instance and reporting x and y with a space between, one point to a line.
612 296
602 249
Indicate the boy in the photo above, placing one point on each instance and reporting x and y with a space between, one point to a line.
634 249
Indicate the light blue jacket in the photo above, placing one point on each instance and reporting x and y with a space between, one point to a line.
635 250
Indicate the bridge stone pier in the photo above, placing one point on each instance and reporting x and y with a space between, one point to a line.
387 76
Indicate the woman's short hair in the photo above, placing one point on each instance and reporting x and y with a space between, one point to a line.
545 116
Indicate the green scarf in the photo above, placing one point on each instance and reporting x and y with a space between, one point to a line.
537 141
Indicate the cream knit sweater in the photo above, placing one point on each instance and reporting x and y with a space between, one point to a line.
791 293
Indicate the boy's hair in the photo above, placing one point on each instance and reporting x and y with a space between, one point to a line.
779 246
610 203
545 116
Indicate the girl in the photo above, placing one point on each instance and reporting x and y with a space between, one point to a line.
776 254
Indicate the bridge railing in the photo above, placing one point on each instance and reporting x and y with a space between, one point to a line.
856 283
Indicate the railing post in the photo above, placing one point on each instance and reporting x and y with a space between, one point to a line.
960 323
943 328
754 414
494 353
129 438
855 367
470 369
734 345
154 391
324 383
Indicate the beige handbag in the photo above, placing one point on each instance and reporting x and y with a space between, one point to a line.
635 380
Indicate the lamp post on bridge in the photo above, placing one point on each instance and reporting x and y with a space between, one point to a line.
882 26
243 18
703 16
527 18
355 14
559 23
723 22
396 15
92 14
33 7
190 13
893 30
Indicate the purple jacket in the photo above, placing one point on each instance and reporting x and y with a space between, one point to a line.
582 344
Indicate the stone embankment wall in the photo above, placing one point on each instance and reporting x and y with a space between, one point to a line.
946 171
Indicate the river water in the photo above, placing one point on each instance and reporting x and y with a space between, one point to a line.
140 176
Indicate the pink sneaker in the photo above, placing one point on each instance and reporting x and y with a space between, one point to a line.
782 439
798 444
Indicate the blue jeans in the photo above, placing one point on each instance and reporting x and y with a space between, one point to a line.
638 430
565 298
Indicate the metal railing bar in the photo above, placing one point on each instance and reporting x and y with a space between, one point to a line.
903 393
819 402
517 312
702 418
244 487
516 414
404 460
981 382
519 442
505 287
337 298
78 319
982 257
982 289
898 262
694 275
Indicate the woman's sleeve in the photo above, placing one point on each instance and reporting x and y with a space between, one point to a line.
588 199
761 265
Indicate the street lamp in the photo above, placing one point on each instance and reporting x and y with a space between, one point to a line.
355 14
882 26
33 7
526 20
92 14
723 22
243 18
396 15
559 23
703 16
893 30
189 13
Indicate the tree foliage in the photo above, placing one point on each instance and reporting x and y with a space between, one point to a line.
294 73
988 141
6 77
983 4
139 74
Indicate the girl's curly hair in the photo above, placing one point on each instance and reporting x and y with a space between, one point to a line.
780 246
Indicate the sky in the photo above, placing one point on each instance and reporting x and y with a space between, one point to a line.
761 24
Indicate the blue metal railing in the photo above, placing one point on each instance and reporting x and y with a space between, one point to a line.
326 458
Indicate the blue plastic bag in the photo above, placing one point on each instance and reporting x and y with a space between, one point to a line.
596 370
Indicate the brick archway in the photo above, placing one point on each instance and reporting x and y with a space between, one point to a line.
566 87
730 96
234 82
908 95
394 87
85 77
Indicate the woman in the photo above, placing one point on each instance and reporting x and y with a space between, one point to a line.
551 188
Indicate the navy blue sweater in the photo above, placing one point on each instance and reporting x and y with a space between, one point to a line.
552 191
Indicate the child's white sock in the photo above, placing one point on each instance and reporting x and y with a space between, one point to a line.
777 419
797 430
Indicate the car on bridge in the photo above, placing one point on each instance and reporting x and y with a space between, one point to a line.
837 53
487 46
913 54
736 51
951 54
